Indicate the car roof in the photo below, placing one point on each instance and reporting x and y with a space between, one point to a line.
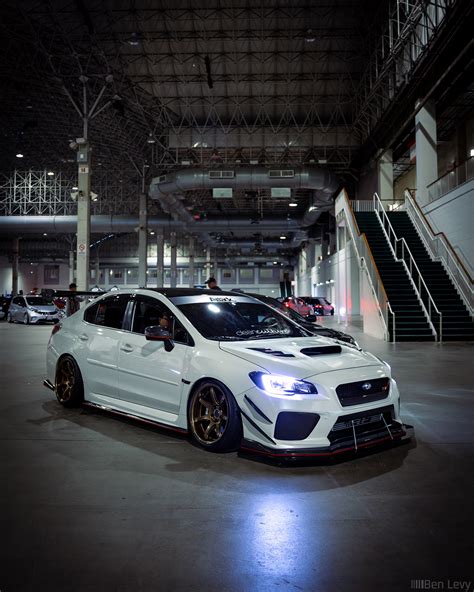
171 292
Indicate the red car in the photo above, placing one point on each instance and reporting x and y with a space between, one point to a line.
299 305
321 306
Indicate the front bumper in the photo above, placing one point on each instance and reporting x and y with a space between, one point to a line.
359 441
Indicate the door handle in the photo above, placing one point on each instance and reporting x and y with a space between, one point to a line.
126 347
83 337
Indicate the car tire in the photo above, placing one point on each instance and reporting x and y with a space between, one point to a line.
214 418
26 319
69 385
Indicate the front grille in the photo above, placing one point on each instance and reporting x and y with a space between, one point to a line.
364 391
364 425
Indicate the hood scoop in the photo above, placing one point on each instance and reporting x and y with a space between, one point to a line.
321 350
272 352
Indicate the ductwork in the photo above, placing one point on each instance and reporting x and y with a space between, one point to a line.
322 181
19 225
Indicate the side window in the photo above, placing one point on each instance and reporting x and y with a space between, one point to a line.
149 312
108 312
17 301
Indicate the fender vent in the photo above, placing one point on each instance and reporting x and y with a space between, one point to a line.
322 350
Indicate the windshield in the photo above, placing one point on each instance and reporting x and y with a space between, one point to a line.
38 301
239 321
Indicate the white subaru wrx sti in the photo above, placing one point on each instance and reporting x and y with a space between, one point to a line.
226 368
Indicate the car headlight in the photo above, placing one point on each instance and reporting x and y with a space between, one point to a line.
276 384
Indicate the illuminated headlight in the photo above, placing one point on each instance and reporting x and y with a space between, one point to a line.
276 384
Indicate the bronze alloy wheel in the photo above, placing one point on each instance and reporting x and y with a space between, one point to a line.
214 418
69 386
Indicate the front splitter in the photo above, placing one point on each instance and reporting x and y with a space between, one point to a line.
403 433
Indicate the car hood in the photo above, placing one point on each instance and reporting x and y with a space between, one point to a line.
43 307
285 355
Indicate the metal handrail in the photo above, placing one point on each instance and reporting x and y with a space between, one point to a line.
443 251
370 268
383 219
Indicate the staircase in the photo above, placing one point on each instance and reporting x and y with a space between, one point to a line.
457 322
411 323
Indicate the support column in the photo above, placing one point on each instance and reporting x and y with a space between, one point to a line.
97 267
426 152
208 263
191 261
142 239
71 267
160 255
173 269
83 218
215 265
385 178
15 260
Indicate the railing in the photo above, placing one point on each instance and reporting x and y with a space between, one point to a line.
440 249
367 262
449 181
396 244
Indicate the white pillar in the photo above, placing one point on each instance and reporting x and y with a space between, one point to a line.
426 152
160 255
142 241
208 263
15 259
71 267
83 220
191 261
173 269
385 178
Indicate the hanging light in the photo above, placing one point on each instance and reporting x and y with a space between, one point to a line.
19 155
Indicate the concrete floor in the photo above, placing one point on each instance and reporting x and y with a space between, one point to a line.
93 503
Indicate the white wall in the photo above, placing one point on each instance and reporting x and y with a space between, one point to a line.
453 214
32 276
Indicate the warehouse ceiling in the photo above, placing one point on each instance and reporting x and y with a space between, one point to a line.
186 83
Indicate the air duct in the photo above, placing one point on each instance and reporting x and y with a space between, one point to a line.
323 182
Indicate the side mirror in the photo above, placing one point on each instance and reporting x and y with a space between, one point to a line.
156 333
311 318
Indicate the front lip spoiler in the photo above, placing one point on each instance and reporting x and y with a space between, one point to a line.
403 434
49 384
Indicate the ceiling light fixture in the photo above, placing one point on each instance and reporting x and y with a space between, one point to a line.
151 139
19 155
293 204
50 174
282 237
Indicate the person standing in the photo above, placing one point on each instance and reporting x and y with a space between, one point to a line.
212 284
72 302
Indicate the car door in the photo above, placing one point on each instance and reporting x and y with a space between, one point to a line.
148 374
17 308
100 335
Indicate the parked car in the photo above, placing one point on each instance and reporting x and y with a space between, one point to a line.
229 370
307 322
299 305
32 309
321 306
